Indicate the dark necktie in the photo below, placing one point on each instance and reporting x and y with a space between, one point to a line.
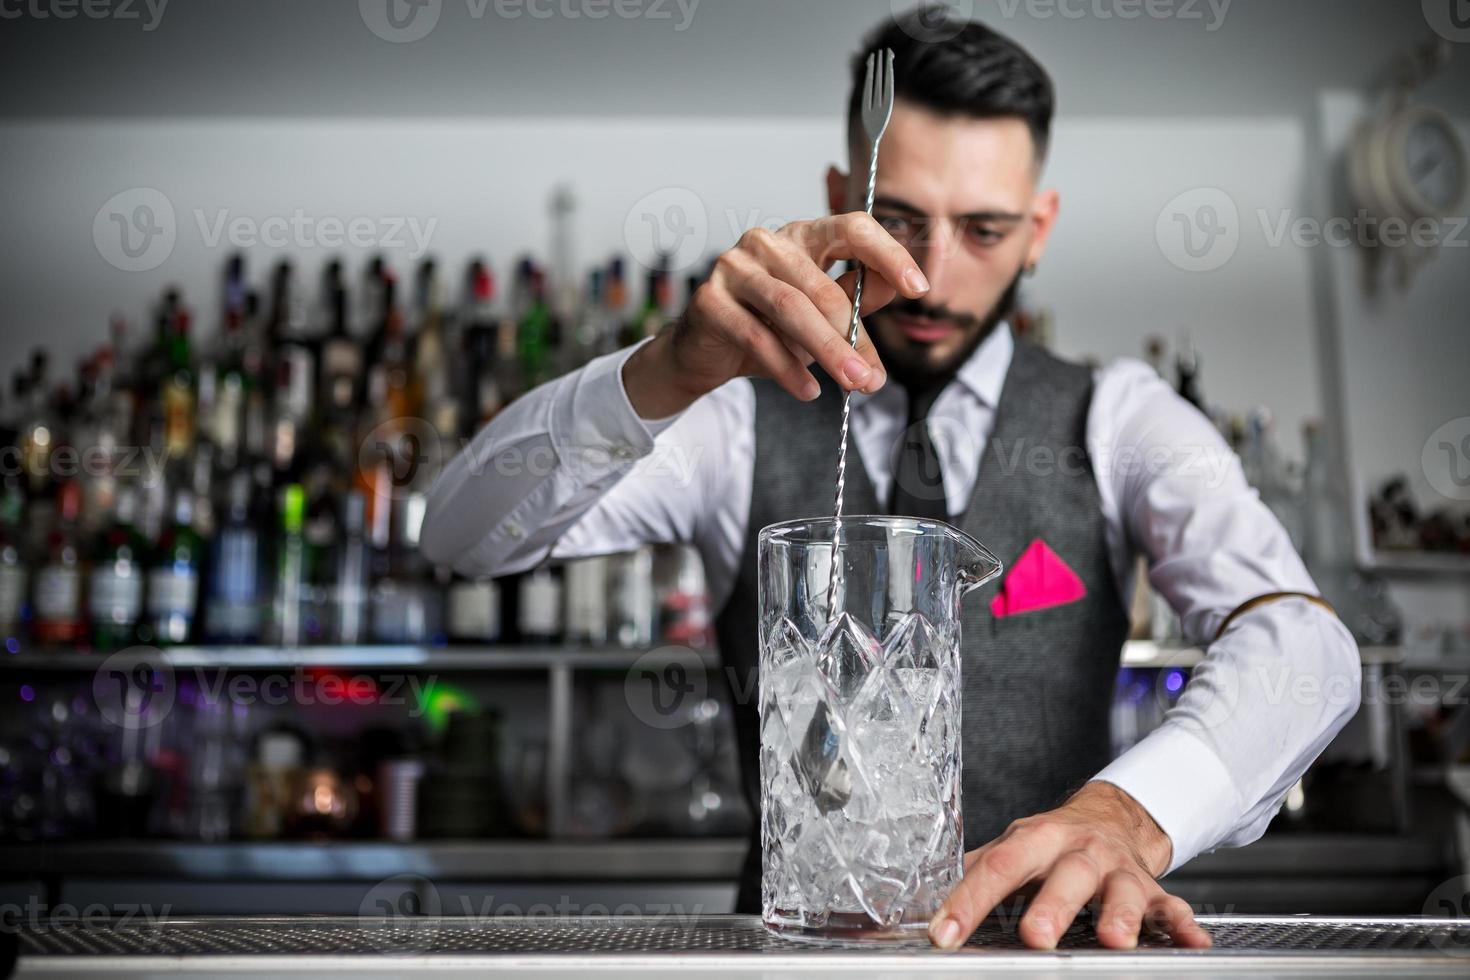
918 478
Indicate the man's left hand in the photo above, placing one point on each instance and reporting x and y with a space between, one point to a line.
1099 848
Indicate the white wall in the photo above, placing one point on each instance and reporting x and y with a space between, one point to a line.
259 108
1403 366
1405 353
483 185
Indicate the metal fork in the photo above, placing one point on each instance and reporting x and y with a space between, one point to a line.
877 110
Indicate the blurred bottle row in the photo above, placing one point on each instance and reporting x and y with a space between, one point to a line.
268 485
1306 494
209 763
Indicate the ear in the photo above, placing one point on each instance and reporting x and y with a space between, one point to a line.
1044 210
837 191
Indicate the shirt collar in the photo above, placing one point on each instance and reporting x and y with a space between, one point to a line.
985 371
983 374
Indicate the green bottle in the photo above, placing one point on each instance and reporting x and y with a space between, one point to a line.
534 335
14 565
291 579
173 585
115 595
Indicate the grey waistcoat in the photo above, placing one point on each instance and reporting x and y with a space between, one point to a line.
1037 686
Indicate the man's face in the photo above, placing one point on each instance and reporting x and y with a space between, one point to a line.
960 194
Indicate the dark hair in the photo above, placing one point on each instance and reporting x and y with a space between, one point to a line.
960 68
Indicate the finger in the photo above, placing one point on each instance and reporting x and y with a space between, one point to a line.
789 263
762 346
1002 868
1124 898
790 312
859 236
876 292
1174 917
1071 884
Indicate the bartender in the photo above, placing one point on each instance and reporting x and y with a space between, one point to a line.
1064 472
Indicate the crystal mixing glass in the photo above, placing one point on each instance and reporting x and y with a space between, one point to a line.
861 831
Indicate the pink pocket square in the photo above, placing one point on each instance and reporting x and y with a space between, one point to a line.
1038 580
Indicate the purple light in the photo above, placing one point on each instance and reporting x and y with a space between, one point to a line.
27 693
12 644
1175 681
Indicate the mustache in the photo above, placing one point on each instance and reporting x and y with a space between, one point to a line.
918 308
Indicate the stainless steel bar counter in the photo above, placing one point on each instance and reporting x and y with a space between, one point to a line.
716 945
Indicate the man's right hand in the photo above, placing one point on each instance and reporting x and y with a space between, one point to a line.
770 310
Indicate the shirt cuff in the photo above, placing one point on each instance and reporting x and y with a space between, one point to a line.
1184 786
594 428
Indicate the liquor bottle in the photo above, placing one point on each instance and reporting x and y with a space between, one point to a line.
652 317
293 372
1155 351
483 395
586 339
615 305
255 423
632 598
1189 372
683 598
540 608
115 593
9 426
201 473
105 428
58 598
291 569
586 600
173 585
14 569
407 604
234 607
222 422
39 432
375 277
1265 470
473 614
390 361
178 397
432 385
321 531
341 378
1327 548
351 583
534 335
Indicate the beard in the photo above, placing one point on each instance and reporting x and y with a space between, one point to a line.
909 365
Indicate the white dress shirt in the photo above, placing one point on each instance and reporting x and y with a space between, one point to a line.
571 470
